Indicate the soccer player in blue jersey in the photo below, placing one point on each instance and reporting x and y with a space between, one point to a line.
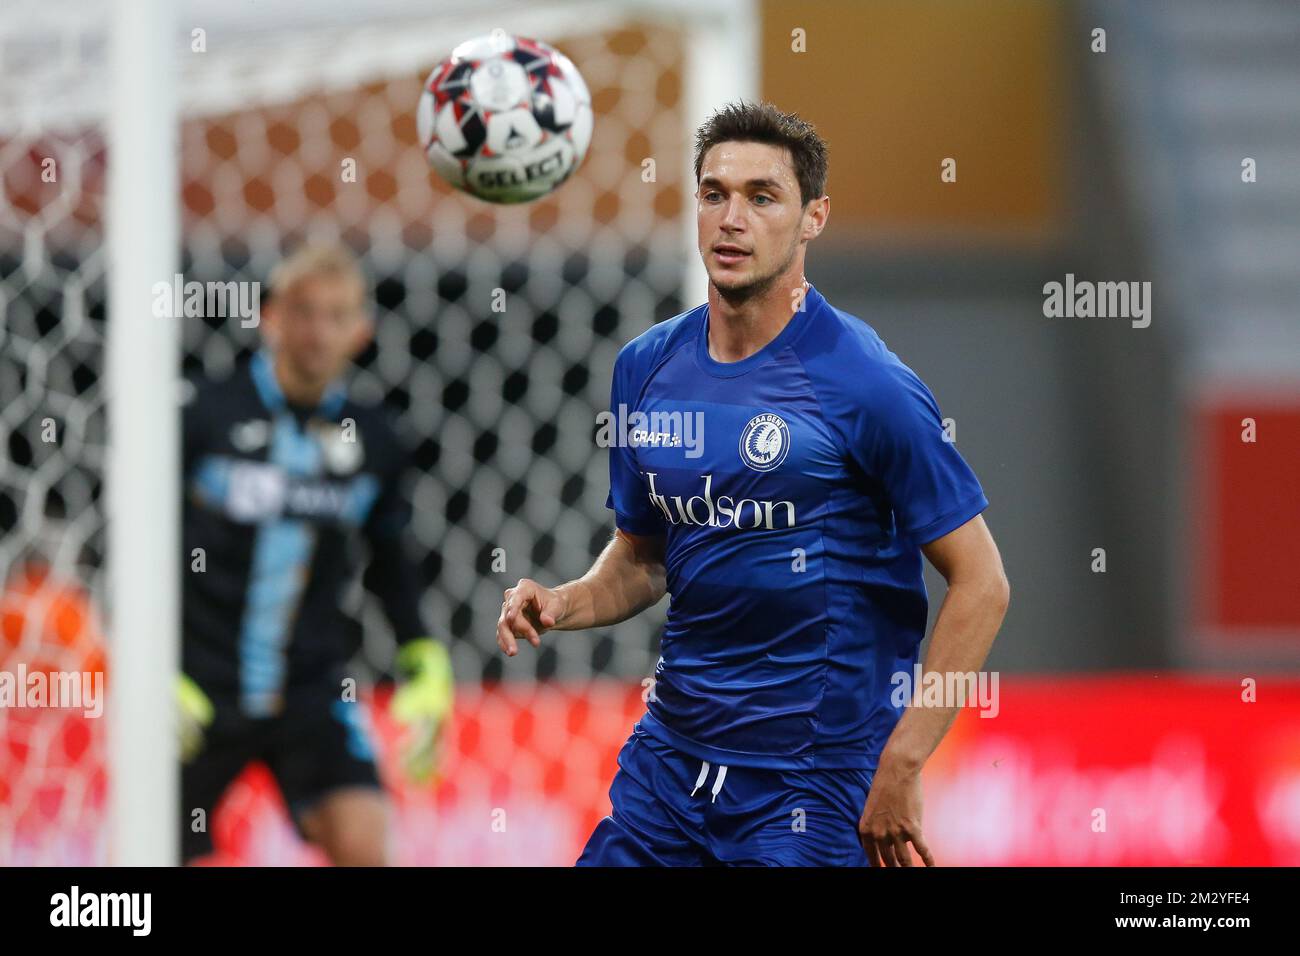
781 476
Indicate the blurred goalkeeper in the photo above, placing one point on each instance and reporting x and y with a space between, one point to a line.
284 477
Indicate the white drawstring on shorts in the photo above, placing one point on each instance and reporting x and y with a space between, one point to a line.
717 783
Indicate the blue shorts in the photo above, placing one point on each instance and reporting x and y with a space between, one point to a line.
671 809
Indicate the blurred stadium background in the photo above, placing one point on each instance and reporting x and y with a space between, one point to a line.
1121 689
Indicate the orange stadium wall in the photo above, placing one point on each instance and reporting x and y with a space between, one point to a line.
982 83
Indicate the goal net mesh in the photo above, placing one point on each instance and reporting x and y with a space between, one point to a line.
497 329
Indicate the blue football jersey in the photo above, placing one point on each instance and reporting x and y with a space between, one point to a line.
793 489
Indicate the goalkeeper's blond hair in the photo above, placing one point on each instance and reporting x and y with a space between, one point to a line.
317 259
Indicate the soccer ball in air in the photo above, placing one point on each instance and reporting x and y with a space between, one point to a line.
505 118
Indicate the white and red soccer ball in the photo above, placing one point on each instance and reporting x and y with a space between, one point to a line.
505 118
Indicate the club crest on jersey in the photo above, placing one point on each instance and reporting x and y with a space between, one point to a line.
341 451
251 435
764 442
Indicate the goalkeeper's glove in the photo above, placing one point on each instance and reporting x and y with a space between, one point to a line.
194 715
423 705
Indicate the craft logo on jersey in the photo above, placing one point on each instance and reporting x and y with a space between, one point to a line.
764 442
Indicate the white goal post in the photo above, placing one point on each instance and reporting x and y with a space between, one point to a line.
142 363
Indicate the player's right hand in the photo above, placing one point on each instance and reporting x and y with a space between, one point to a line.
194 713
526 613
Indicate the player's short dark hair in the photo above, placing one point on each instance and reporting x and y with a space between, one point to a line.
764 123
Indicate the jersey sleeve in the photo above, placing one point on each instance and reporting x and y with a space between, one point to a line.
628 497
392 574
897 437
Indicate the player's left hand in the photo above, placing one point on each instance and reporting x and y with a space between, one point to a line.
892 818
423 705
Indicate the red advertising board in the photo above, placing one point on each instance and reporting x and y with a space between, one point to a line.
1130 770
1245 521
1151 769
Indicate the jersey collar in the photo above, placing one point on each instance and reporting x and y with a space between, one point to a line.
262 369
812 303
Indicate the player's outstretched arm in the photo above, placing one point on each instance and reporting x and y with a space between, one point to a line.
627 578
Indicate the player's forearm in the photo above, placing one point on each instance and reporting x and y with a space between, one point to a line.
622 583
964 631
392 577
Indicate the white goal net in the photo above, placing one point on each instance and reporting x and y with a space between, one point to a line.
291 126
